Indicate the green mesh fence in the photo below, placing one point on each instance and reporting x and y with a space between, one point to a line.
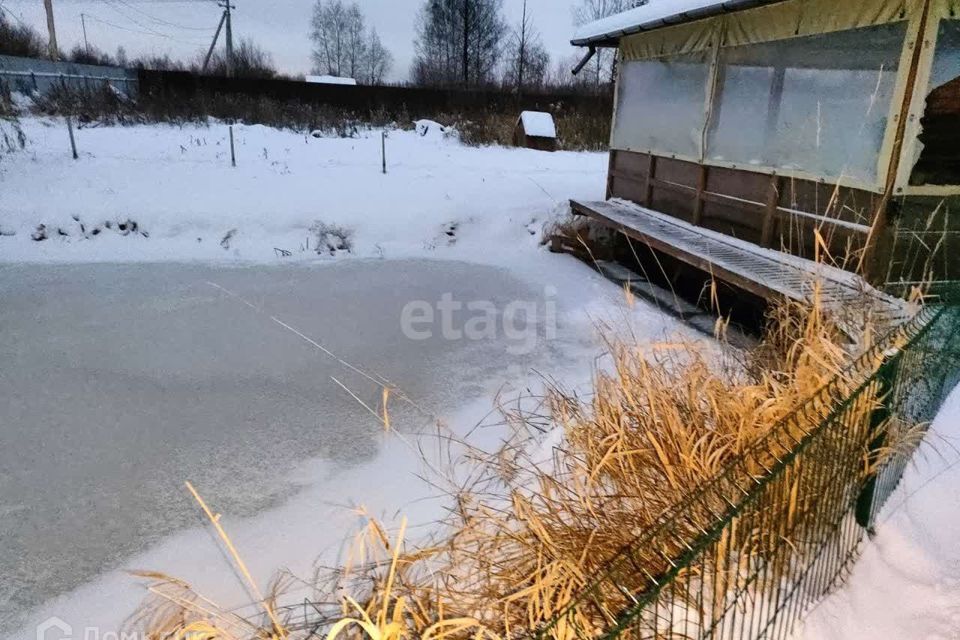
749 553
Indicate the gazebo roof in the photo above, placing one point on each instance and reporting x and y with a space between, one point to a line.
655 14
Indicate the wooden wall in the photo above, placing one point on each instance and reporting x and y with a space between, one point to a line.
771 211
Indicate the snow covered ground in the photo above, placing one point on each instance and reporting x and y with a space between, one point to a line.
439 198
907 583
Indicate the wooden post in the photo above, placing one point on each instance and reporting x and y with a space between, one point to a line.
886 377
698 202
383 150
868 266
52 48
770 212
651 175
233 153
229 38
73 142
83 24
611 167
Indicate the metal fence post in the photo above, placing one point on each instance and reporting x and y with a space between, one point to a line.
886 378
73 142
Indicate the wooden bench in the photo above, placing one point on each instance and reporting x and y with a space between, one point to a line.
764 272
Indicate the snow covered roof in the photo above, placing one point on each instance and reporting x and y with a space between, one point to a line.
655 14
538 124
331 80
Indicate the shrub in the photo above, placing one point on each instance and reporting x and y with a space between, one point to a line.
249 61
20 39
12 137
91 55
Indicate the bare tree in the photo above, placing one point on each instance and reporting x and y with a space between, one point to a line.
560 78
342 44
590 10
527 61
329 27
355 40
458 42
378 59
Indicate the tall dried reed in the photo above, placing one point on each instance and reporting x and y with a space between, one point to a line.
542 517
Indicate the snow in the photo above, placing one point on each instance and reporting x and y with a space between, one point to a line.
538 124
653 14
439 198
433 129
347 82
907 582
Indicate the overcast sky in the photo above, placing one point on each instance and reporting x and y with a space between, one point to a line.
183 27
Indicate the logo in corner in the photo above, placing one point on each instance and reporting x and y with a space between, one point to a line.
54 629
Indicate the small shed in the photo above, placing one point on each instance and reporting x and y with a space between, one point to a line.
536 130
788 130
337 80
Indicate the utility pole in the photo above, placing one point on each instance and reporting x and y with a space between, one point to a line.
83 23
52 30
216 36
228 8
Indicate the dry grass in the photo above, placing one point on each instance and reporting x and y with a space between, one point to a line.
536 524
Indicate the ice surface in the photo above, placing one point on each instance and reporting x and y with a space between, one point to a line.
538 124
122 381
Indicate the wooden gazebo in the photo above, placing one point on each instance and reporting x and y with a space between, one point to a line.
752 137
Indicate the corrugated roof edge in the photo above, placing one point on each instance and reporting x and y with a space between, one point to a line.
612 38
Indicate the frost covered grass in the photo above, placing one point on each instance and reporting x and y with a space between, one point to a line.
533 523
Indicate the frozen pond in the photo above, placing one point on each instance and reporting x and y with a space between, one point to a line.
119 382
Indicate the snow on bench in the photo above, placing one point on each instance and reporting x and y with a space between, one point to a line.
764 272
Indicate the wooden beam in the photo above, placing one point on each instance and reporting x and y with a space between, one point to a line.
868 266
611 166
770 212
651 176
698 200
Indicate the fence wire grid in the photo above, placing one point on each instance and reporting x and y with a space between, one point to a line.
747 555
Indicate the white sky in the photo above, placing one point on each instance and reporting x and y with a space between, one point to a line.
281 26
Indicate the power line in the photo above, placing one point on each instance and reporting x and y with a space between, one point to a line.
137 22
148 33
161 20
14 16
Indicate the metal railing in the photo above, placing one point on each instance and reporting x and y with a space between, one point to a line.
747 555
29 75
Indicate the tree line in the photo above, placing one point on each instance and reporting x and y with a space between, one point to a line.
458 43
